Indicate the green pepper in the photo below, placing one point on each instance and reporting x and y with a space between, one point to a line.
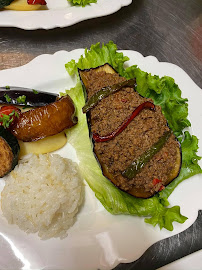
131 171
105 92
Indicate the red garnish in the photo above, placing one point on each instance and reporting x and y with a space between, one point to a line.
36 2
98 138
162 187
9 110
156 181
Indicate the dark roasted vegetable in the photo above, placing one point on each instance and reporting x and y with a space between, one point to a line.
45 121
116 154
9 151
25 96
4 3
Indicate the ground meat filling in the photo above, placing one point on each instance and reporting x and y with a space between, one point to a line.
144 130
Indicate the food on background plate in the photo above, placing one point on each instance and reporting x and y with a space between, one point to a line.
22 5
165 93
31 5
132 141
43 195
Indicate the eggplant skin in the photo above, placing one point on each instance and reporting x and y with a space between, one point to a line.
33 98
45 121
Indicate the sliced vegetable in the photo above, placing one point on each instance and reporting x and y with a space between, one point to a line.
9 151
43 146
98 138
45 121
25 96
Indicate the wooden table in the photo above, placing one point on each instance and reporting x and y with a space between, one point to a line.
171 30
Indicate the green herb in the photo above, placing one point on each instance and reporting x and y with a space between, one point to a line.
35 92
21 100
8 99
7 87
6 120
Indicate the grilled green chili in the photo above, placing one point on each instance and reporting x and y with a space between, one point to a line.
131 171
105 92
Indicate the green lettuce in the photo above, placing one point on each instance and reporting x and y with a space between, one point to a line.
82 3
163 91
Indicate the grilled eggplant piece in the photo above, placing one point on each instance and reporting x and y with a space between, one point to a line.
13 95
145 156
9 151
45 121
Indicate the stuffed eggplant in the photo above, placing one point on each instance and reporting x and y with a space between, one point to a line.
132 141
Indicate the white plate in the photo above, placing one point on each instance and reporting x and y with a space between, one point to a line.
98 240
59 14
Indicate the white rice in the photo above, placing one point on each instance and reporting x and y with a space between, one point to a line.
43 194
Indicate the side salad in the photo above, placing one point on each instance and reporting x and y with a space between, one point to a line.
165 93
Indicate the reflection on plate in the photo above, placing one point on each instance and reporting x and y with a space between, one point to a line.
59 14
99 239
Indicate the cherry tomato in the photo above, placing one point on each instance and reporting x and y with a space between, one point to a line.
6 110
36 2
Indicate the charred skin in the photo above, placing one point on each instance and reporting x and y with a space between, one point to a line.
45 121
140 191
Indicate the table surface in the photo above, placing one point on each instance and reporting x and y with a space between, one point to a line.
171 30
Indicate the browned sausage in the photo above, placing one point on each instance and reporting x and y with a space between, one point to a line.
45 121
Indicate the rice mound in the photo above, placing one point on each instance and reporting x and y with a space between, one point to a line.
43 194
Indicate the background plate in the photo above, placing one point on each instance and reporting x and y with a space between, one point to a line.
59 14
99 239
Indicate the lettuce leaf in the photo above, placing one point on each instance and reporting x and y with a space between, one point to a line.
165 92
82 3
